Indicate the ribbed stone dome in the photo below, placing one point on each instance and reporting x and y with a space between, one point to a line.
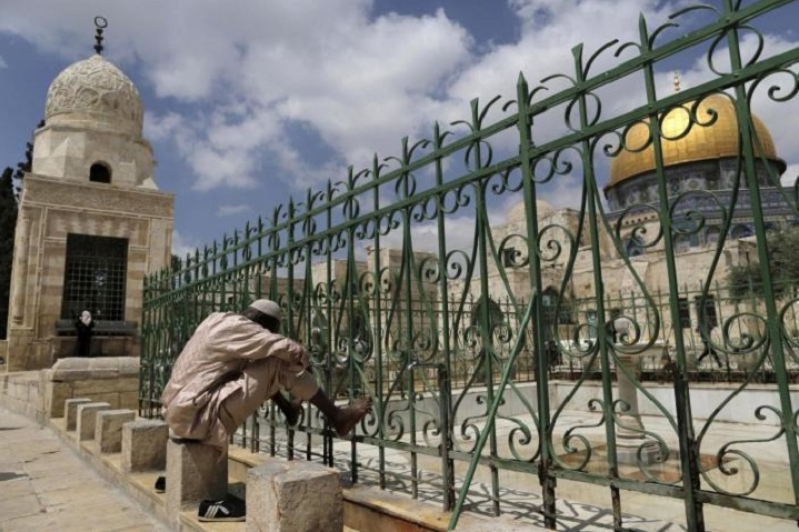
94 93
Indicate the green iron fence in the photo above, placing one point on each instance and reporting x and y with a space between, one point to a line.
403 286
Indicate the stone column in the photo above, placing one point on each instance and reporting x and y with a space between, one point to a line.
630 440
295 496
194 472
21 270
628 393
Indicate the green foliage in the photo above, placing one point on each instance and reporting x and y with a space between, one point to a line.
26 165
783 266
8 222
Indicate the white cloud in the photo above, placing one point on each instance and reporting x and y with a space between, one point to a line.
248 73
768 109
3 63
360 82
182 246
230 210
790 175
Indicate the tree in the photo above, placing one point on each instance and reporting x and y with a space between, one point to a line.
8 222
26 165
783 265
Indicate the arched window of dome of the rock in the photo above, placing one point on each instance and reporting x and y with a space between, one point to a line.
100 173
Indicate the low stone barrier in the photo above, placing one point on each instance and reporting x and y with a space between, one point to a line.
114 380
108 429
193 472
87 419
294 496
21 392
144 445
71 410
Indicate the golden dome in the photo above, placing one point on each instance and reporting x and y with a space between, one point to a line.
716 141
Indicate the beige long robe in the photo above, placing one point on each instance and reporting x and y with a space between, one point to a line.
208 371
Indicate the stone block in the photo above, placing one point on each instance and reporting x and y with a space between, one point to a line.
129 366
87 419
108 429
194 472
71 408
91 387
294 497
71 369
129 400
144 445
55 394
112 398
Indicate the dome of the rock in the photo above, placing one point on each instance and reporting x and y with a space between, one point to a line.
719 139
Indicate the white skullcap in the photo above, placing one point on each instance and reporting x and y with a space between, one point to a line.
268 307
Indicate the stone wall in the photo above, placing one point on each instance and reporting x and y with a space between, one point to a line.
50 210
41 394
22 393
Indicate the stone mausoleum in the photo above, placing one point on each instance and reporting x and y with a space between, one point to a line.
92 222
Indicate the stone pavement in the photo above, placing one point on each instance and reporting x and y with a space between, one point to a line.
583 507
44 486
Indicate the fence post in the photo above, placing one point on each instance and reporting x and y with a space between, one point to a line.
445 428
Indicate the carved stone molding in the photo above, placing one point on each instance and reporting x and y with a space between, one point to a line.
100 197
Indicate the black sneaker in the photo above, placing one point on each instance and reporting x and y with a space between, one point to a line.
228 510
160 485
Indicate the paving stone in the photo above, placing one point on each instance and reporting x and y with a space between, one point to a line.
56 490
22 505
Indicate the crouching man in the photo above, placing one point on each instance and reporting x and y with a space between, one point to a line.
229 367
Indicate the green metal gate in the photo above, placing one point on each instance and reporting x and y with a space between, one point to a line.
392 278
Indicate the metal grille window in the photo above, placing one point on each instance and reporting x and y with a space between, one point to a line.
95 276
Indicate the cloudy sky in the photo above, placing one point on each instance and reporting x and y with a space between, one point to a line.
249 102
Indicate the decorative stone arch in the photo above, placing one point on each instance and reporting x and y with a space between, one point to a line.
494 312
741 231
100 172
712 234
